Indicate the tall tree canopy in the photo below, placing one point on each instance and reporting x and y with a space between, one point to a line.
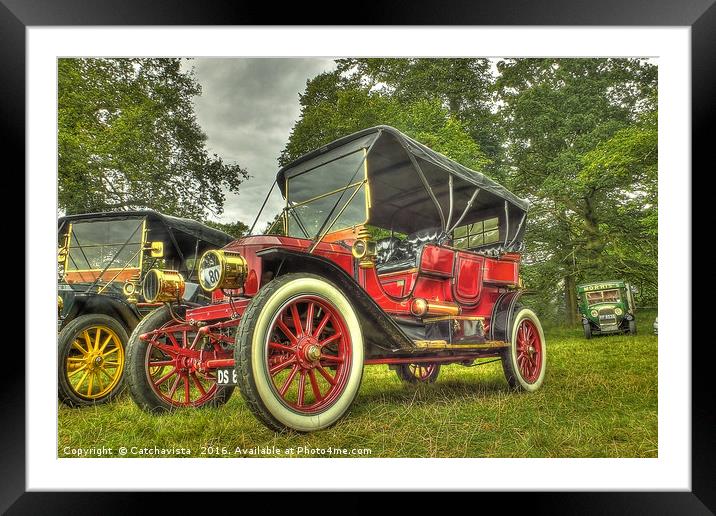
578 137
128 138
582 145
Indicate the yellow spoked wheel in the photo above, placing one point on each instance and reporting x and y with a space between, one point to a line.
91 359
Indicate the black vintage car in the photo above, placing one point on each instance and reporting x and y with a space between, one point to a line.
102 259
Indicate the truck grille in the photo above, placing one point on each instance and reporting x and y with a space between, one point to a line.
607 314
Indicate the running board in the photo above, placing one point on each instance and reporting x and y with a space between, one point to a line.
463 346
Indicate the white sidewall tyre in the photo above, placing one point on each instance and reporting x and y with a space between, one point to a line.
522 314
264 387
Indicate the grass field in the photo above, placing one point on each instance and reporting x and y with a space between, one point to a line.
599 399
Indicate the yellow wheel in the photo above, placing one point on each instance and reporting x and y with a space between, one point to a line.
91 360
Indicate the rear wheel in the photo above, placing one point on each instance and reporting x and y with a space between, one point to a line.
525 359
161 371
299 351
418 373
91 360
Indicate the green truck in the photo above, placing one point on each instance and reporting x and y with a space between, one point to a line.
606 307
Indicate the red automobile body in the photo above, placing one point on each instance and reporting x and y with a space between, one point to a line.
467 280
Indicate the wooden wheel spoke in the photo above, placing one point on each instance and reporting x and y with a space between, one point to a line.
296 319
309 319
97 335
326 375
70 375
283 365
104 344
330 339
285 329
165 377
280 347
173 389
288 381
187 389
76 345
331 358
301 389
77 385
198 384
314 385
322 325
88 340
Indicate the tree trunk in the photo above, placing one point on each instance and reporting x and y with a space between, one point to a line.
570 296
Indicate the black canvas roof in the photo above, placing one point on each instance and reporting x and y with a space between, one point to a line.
158 224
413 187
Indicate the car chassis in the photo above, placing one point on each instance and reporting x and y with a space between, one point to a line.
295 318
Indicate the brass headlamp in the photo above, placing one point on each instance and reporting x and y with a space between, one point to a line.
161 286
223 269
364 249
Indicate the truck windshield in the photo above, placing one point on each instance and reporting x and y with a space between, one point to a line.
603 296
97 244
313 194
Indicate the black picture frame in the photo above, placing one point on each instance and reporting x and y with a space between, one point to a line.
700 15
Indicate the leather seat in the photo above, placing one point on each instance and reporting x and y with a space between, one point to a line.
394 254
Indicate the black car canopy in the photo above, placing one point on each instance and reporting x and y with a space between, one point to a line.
413 188
184 236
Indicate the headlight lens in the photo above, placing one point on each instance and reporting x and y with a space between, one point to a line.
594 313
618 311
163 286
359 249
222 269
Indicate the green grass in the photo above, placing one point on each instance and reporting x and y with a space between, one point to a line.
599 399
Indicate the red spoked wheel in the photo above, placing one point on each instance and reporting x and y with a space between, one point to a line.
164 369
418 373
529 351
172 367
309 354
525 359
299 352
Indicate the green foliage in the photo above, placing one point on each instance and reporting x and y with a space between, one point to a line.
235 229
582 146
128 138
346 106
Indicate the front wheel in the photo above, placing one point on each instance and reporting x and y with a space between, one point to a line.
587 330
161 371
632 327
418 373
299 351
91 360
525 359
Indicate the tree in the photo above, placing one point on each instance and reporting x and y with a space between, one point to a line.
235 229
128 138
581 144
333 106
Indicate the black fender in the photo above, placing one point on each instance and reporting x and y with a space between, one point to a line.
381 333
92 303
502 315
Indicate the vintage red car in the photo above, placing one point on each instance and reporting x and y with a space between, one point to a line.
393 254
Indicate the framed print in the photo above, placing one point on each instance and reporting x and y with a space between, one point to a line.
262 211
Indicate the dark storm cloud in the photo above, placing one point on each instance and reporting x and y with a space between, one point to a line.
247 109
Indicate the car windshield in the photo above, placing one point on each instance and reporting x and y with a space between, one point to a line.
314 193
114 244
603 296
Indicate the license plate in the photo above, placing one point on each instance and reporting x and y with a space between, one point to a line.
612 316
227 376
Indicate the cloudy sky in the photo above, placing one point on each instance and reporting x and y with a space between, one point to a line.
247 109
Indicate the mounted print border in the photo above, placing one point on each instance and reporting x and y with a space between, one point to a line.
16 16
